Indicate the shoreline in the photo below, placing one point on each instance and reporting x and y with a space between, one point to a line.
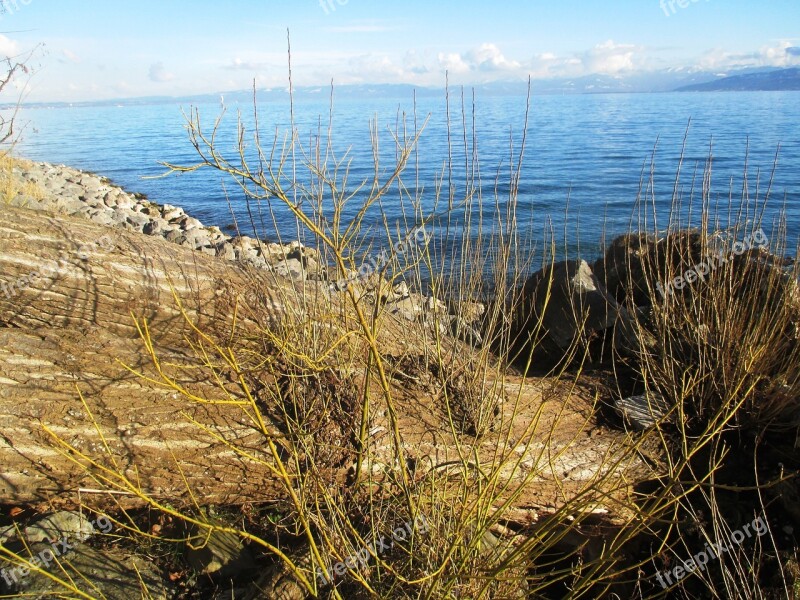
70 191
65 190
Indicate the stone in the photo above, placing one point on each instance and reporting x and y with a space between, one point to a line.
226 251
137 221
112 574
434 305
244 244
187 223
175 236
291 268
635 262
400 290
171 213
67 205
148 208
154 227
572 306
218 552
57 526
257 262
125 201
643 411
409 308
463 330
470 312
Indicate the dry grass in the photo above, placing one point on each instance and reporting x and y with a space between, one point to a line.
318 386
12 186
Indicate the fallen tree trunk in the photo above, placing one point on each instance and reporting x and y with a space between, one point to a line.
69 332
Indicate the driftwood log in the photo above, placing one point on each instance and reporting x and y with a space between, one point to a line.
69 332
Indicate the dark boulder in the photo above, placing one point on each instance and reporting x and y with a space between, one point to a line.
636 263
565 306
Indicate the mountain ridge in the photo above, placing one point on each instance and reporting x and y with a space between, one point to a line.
668 80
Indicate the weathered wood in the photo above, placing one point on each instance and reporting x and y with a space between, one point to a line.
74 332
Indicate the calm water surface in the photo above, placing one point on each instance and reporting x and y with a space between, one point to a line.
584 162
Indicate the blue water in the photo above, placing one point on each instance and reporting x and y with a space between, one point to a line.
584 163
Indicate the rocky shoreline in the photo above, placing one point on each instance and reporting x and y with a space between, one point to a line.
69 191
59 330
77 193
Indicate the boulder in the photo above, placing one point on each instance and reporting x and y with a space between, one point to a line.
635 263
572 306
291 268
112 574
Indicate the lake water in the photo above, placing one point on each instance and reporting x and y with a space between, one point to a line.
584 160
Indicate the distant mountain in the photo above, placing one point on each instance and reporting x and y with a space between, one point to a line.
768 81
665 80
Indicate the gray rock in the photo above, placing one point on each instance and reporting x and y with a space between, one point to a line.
635 262
154 227
433 305
291 268
257 262
126 202
113 575
57 526
171 213
148 209
218 552
187 223
401 290
226 251
245 244
175 236
409 308
137 221
643 411
68 206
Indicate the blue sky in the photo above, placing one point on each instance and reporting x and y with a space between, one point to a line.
101 49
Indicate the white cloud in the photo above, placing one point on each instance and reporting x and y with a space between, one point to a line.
415 63
8 47
610 58
782 54
485 58
159 74
453 62
372 67
488 57
785 54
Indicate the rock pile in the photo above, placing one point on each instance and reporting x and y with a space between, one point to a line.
70 191
73 192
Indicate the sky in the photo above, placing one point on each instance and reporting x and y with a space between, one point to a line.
106 49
